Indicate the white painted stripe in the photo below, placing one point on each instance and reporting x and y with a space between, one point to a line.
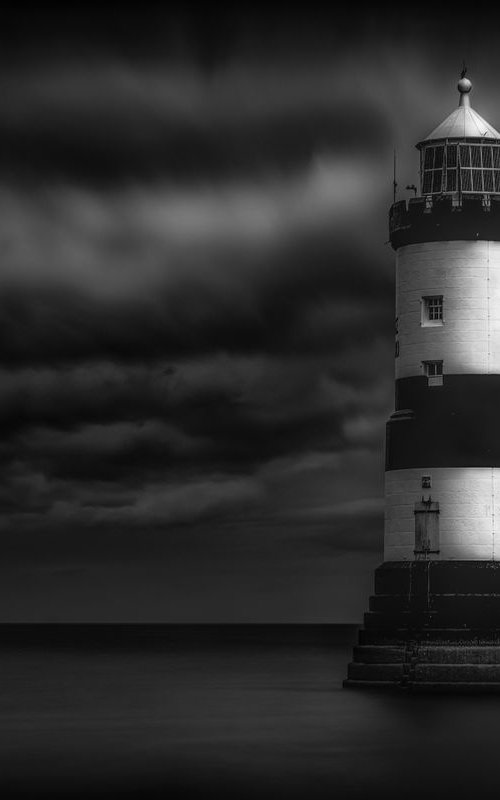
469 503
467 274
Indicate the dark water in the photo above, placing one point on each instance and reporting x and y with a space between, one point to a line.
234 712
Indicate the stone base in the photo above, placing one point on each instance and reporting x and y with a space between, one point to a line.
433 626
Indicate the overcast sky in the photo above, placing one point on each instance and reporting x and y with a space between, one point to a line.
196 301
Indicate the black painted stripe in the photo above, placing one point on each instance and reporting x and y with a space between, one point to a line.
414 223
454 425
442 577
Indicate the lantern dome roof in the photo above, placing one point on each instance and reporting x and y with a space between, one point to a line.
463 122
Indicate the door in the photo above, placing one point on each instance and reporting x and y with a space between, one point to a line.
426 528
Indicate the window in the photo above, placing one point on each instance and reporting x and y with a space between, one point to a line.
432 310
479 165
433 368
469 168
426 481
434 372
433 170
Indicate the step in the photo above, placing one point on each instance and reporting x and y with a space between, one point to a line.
397 637
382 685
456 673
456 616
458 687
378 654
426 687
439 603
375 672
400 636
465 654
389 603
404 620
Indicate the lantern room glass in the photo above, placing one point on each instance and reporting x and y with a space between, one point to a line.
472 168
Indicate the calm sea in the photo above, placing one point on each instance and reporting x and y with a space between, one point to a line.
225 711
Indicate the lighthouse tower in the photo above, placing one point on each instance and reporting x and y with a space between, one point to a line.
434 620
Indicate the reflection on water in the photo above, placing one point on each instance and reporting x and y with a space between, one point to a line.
242 713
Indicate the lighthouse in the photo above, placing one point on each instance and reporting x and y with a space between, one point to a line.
433 622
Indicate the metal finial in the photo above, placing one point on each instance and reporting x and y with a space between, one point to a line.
464 86
464 70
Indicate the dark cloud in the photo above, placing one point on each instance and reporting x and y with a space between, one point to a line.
40 326
192 393
172 355
116 132
227 417
273 267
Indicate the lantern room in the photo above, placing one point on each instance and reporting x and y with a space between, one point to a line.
462 155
